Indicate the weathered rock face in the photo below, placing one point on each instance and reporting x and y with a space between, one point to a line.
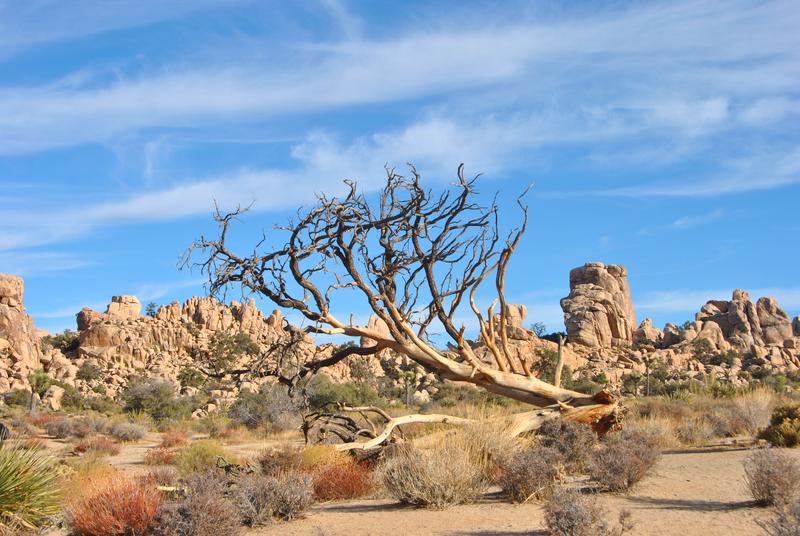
124 308
647 332
598 311
20 348
745 325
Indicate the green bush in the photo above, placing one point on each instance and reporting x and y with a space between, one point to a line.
67 341
784 427
323 392
88 371
18 397
155 397
29 490
200 456
191 377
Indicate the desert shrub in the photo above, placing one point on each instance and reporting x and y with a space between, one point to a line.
271 407
103 404
41 419
112 506
29 489
89 425
532 473
786 521
128 431
66 341
433 478
61 428
215 425
162 476
772 477
200 455
695 431
784 427
191 377
623 460
323 393
262 498
277 462
570 513
101 445
88 371
574 441
18 397
316 455
202 514
160 456
174 438
346 479
155 397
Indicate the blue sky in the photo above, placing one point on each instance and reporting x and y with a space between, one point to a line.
661 136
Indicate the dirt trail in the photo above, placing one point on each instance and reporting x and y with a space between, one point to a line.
690 494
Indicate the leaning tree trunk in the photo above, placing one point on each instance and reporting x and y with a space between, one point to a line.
416 258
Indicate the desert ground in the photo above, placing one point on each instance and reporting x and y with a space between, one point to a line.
690 492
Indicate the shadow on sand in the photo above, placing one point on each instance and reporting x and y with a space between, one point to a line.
691 504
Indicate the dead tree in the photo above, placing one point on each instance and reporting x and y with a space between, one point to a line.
416 258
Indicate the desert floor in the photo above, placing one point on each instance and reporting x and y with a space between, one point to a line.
692 492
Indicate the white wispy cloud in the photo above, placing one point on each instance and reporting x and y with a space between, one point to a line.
687 222
648 65
28 263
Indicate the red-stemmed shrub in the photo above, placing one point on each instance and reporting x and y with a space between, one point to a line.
114 506
344 480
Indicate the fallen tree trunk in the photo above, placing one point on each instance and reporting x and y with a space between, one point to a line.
345 433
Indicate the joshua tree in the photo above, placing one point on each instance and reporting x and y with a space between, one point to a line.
416 258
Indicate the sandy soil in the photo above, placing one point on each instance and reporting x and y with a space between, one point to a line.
690 494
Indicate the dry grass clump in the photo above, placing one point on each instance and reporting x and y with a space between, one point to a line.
700 419
660 429
32 443
772 477
435 477
59 428
622 460
100 445
29 489
262 498
695 431
786 521
174 438
160 456
161 476
200 456
575 441
570 513
279 461
532 473
128 431
110 504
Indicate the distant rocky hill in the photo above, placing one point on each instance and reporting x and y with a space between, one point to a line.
599 317
602 338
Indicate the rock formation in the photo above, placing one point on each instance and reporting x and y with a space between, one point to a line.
20 349
598 312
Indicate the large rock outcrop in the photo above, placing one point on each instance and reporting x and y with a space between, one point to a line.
598 312
20 344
